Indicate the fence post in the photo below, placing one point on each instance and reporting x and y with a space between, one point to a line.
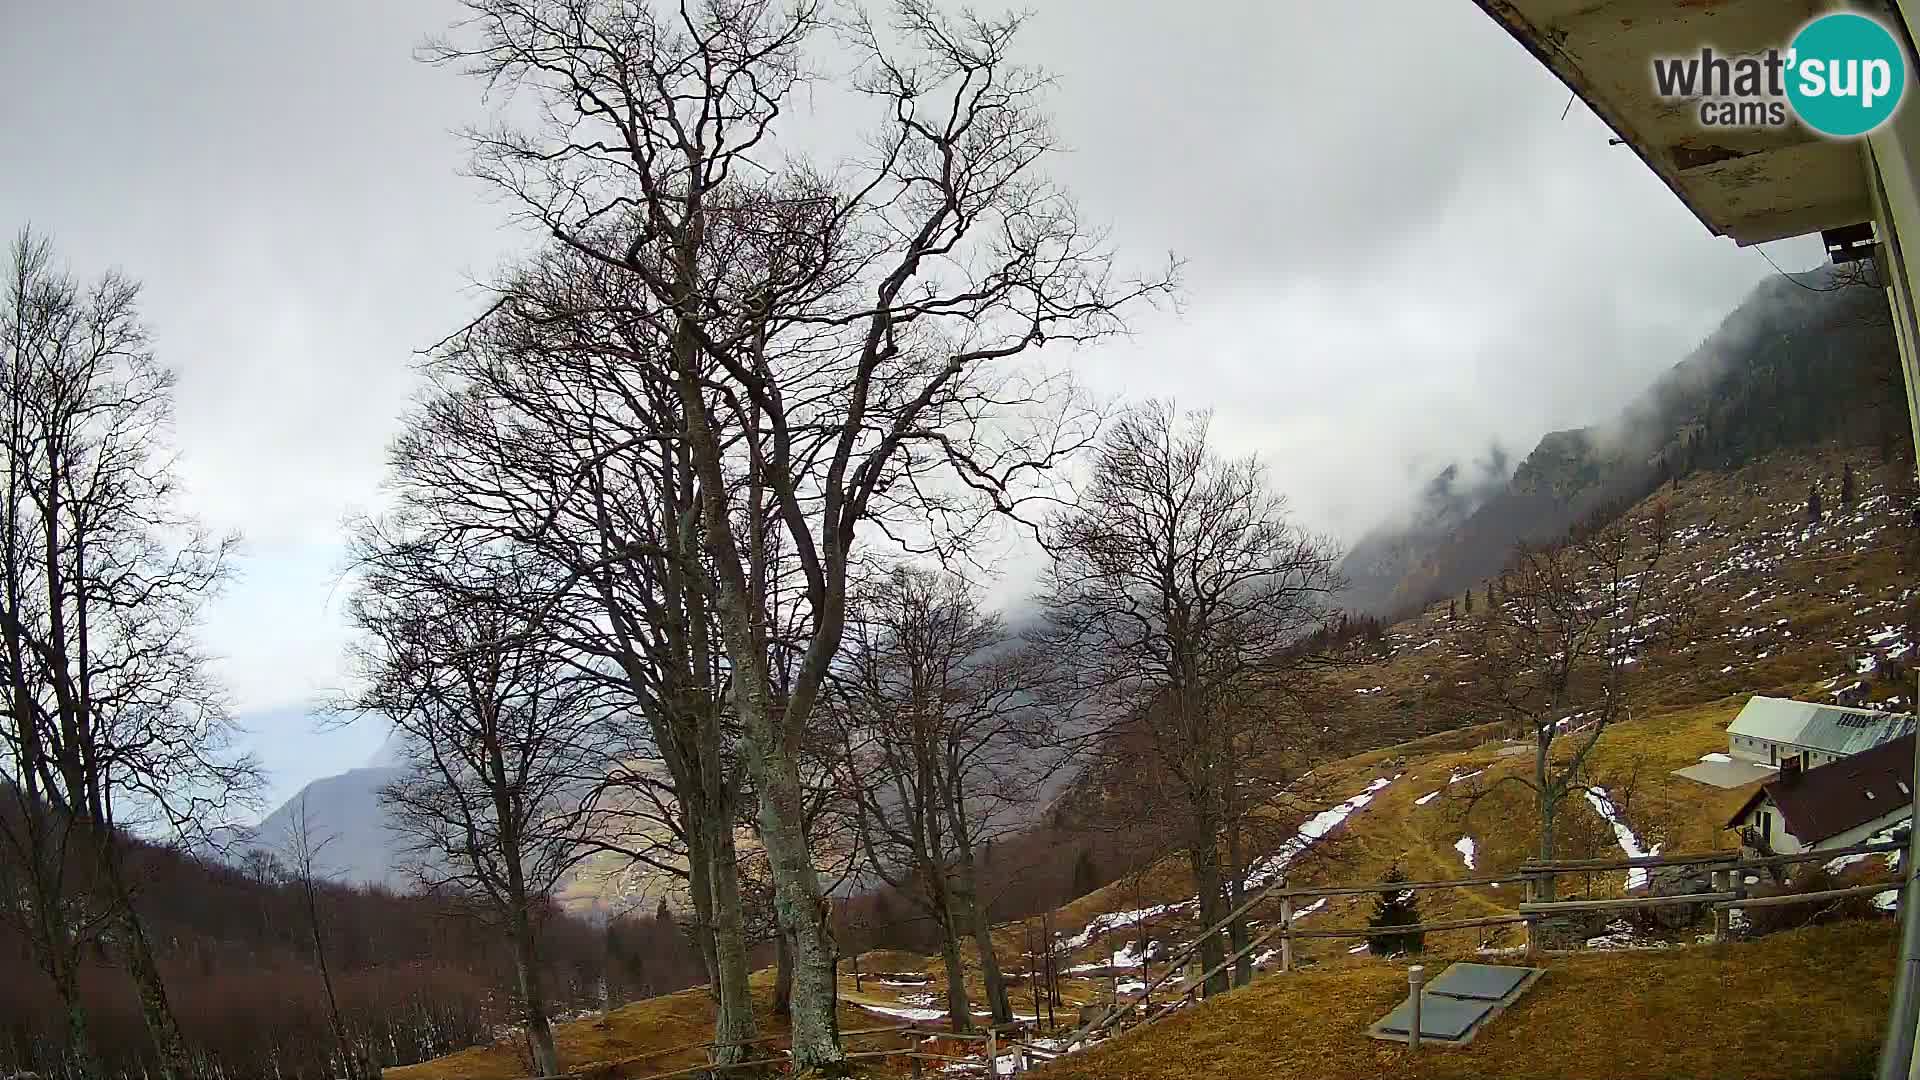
1528 889
1722 917
1416 975
1286 933
993 1051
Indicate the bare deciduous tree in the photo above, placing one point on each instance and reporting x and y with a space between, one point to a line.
1179 591
836 338
1555 657
945 746
303 849
112 722
550 431
500 737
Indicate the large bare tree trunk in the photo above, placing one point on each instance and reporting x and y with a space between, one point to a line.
142 965
1203 852
53 944
974 917
959 1003
526 962
700 888
798 901
733 1022
79 1057
1237 938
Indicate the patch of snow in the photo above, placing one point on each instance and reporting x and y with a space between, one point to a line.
1427 798
1464 846
1621 935
1719 757
1115 920
1636 877
1884 836
1459 776
1310 908
1362 947
1844 861
1263 957
1316 827
1887 901
903 1014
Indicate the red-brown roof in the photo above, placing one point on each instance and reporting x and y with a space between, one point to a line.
1830 799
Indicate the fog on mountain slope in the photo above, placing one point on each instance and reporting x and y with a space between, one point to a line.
1798 361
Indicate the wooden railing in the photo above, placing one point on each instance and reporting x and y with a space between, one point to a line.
1728 894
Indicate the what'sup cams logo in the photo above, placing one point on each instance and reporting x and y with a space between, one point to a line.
1843 75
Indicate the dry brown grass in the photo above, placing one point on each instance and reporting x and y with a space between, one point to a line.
1807 1004
648 1037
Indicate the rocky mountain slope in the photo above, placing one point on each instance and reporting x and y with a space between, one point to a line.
1793 365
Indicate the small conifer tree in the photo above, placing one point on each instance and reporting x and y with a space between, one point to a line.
1395 907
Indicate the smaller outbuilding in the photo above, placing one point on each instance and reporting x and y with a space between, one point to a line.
1829 806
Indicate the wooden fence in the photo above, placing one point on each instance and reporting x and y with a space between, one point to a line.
1728 893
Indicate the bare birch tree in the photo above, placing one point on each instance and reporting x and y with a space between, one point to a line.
1179 588
113 724
836 337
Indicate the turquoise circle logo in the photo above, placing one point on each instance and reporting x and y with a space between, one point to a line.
1848 73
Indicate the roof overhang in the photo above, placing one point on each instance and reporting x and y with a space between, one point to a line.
1753 185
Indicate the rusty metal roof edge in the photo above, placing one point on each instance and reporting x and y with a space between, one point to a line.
1532 38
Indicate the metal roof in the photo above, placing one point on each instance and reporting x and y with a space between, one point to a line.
1830 729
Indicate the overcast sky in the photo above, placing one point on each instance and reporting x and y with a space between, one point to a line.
1397 252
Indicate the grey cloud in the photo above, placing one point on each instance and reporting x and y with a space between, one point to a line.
1398 252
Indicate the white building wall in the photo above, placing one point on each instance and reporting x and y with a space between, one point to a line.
1777 837
1896 816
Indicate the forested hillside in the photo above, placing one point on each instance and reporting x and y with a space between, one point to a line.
415 976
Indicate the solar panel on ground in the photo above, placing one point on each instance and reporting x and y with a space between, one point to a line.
1455 1006
1482 982
1440 1017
